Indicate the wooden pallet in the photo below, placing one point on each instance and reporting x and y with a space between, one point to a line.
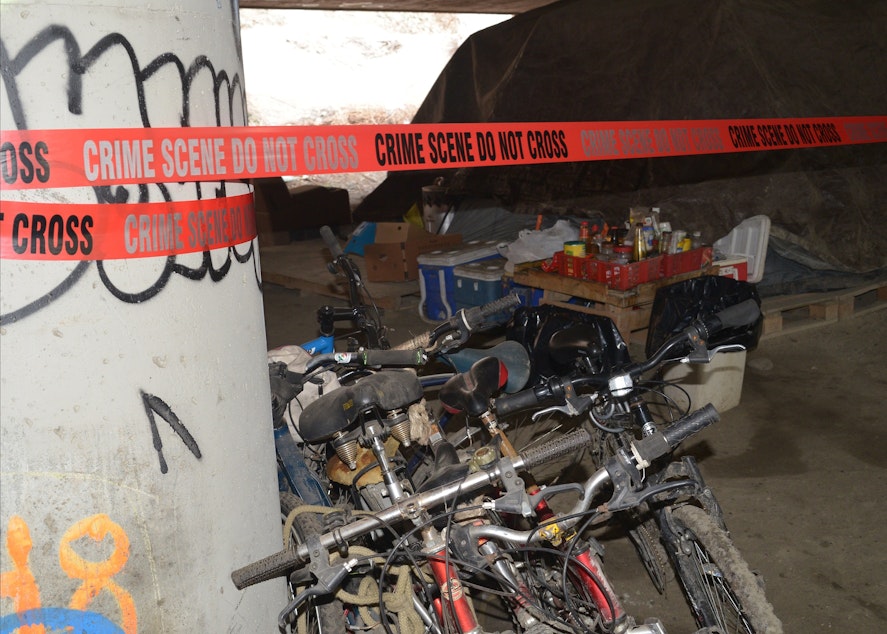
303 266
793 313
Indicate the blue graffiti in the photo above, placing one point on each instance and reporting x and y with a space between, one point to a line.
73 621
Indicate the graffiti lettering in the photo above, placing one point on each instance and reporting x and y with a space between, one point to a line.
20 585
29 161
154 404
96 576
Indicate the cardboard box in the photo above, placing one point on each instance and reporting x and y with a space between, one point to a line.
392 257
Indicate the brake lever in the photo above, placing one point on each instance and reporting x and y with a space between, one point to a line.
555 489
701 354
329 578
572 406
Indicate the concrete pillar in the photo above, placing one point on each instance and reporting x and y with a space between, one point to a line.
136 453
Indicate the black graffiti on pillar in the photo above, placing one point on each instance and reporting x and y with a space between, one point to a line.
225 91
120 195
79 64
171 265
156 405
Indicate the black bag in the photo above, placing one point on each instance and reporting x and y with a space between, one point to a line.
676 306
533 327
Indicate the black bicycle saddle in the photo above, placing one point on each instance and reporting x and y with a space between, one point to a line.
339 409
470 391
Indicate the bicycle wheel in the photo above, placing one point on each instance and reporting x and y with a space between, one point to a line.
322 615
722 591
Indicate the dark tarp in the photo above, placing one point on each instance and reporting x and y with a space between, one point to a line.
602 60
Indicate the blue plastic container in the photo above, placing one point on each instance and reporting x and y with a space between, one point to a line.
479 282
437 280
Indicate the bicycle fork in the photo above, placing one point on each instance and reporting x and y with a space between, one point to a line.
452 605
588 569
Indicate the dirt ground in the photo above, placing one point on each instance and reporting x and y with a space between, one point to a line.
800 467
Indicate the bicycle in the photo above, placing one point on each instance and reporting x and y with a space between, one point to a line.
443 540
319 367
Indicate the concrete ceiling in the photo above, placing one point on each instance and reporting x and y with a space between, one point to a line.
436 6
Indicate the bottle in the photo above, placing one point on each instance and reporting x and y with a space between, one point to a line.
596 242
639 244
584 236
665 242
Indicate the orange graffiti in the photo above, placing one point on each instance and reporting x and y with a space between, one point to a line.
19 584
96 575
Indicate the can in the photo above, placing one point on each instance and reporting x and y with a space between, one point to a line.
575 248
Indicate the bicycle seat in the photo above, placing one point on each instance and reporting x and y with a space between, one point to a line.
339 409
511 353
470 392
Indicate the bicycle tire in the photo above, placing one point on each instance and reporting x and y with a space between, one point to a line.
720 587
324 616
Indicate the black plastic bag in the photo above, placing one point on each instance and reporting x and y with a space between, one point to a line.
534 326
676 306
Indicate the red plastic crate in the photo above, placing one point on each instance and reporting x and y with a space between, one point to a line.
570 265
622 277
693 260
596 270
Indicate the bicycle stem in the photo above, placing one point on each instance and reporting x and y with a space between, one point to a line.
413 506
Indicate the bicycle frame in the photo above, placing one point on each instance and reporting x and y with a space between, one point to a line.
322 345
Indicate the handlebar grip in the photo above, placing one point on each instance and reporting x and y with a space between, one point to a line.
331 241
741 314
519 400
476 315
691 424
271 567
393 357
558 448
661 443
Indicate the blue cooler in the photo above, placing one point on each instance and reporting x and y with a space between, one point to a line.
437 282
478 283
527 295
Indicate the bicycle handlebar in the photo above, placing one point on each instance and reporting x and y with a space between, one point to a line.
476 315
508 403
555 388
332 243
664 442
469 319
650 448
464 322
365 357
741 314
